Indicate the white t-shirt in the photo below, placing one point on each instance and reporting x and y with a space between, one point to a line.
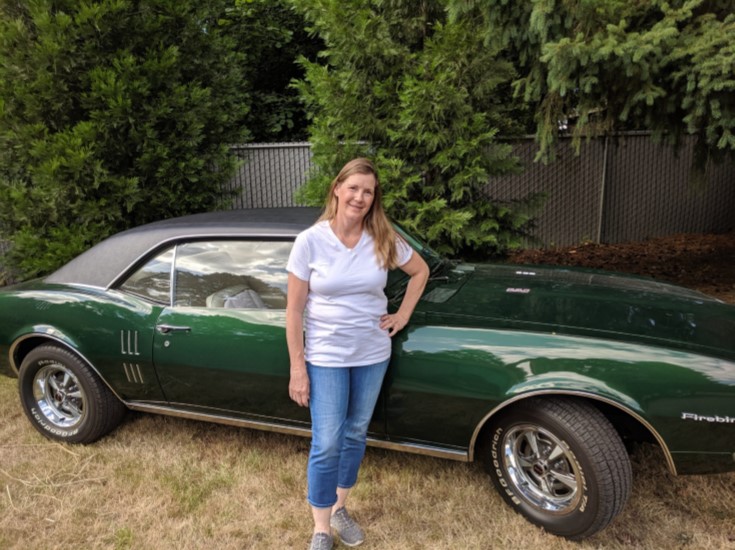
346 298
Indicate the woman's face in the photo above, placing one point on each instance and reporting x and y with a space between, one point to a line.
355 195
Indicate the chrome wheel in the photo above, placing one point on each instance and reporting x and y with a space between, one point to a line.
560 463
59 396
64 398
543 469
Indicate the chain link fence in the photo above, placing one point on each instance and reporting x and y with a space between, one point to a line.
269 174
624 188
618 189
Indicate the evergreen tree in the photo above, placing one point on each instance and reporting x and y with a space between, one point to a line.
665 65
424 98
113 113
272 36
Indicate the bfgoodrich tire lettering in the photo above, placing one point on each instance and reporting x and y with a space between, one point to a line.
561 464
64 398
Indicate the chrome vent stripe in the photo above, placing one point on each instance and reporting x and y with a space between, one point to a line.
133 373
129 342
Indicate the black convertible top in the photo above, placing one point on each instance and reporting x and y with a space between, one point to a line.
102 264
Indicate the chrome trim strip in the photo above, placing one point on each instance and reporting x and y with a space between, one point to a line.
419 449
504 404
10 358
14 345
140 374
65 345
172 277
415 448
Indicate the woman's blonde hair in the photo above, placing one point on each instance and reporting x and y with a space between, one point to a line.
376 223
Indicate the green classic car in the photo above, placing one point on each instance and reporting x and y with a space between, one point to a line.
543 374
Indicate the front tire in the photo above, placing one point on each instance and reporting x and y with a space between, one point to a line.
64 398
561 464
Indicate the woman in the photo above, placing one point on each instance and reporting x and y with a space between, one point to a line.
337 272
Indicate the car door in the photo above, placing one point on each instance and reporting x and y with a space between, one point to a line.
221 346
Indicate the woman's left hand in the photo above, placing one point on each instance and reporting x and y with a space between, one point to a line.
392 322
417 269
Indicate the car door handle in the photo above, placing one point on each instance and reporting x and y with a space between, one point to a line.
165 329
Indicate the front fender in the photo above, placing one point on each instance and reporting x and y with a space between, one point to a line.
446 383
558 387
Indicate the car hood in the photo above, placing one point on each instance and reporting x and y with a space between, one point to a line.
584 302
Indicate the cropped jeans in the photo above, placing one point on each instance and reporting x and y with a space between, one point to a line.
341 402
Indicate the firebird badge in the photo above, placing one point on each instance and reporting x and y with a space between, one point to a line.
708 418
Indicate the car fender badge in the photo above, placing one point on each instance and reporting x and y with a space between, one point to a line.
708 418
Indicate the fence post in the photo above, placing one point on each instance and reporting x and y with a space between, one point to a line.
602 191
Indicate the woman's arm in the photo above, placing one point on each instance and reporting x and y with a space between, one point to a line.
298 386
417 269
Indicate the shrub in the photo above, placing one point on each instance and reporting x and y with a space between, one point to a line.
112 114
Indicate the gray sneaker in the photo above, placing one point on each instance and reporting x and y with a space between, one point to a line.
349 532
321 541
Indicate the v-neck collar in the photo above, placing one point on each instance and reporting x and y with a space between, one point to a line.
339 241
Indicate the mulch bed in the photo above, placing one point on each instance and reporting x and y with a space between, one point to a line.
702 261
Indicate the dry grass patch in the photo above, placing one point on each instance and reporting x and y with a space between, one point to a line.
164 483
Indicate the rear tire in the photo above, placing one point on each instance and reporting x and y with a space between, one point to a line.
561 464
64 398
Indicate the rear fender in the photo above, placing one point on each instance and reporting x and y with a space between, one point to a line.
30 338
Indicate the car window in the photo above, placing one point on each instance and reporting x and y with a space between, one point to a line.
153 280
232 274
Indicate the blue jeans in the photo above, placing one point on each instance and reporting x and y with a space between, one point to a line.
341 402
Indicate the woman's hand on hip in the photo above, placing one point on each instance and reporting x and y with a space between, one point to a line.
392 322
417 269
298 387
